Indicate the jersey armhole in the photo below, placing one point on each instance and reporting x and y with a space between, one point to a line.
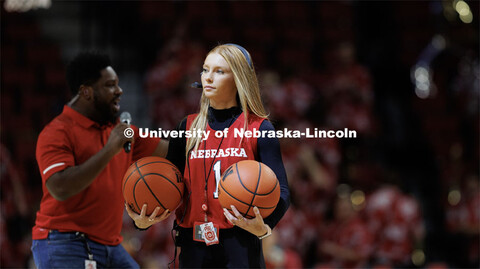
256 125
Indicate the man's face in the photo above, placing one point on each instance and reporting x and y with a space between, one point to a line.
106 96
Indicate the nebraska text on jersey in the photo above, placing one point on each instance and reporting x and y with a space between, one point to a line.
210 153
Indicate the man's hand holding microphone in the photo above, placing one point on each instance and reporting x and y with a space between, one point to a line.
122 135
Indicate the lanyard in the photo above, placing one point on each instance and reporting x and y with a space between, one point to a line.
204 205
84 239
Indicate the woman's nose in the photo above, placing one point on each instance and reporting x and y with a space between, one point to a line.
208 76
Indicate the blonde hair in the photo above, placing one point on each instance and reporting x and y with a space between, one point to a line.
248 91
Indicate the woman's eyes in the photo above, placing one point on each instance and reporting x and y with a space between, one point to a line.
219 71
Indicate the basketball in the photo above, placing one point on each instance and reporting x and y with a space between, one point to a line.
247 184
153 181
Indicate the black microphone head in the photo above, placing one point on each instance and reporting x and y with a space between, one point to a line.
197 85
125 117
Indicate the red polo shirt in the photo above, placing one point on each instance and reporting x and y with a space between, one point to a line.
70 140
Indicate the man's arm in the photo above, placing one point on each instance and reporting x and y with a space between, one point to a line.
66 183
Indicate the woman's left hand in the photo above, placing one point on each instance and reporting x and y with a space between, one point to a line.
255 226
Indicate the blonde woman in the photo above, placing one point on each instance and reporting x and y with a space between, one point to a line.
231 99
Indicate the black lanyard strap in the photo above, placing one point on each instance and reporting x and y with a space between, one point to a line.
87 246
215 156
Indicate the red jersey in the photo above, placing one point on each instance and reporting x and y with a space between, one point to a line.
70 140
207 164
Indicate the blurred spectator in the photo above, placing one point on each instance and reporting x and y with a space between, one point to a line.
14 222
347 86
396 221
168 80
466 85
152 248
347 76
318 173
346 241
288 100
463 222
312 183
278 257
275 96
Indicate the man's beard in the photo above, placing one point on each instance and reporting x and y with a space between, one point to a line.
104 110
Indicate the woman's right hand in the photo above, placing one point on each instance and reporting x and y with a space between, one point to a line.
142 221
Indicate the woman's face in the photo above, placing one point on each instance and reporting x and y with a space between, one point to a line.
218 83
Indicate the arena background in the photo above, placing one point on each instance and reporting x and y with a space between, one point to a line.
404 74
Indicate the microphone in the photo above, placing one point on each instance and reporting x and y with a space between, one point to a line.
126 118
197 85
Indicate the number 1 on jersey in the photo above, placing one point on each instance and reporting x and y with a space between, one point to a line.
218 175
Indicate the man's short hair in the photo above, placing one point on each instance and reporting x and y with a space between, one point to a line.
85 69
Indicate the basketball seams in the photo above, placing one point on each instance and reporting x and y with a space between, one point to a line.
259 207
241 182
157 174
146 184
157 162
154 172
240 179
244 193
135 197
273 189
256 188
255 193
126 179
247 215
144 164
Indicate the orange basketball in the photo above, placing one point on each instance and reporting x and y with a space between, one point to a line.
247 184
153 181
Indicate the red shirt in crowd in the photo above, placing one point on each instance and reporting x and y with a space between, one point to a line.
396 220
352 235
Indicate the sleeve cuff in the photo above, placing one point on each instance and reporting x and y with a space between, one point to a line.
269 232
